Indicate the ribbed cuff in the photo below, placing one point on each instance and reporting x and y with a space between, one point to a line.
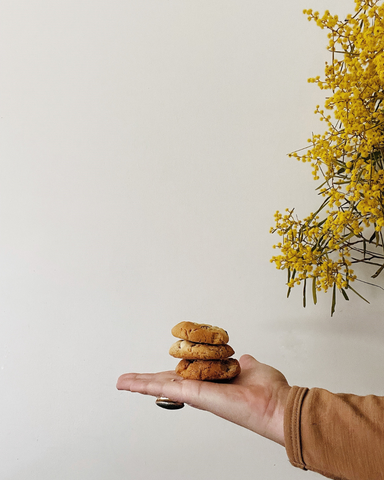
292 434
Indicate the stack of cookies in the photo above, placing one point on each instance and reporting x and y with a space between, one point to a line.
204 351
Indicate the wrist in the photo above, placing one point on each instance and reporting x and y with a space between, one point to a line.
278 417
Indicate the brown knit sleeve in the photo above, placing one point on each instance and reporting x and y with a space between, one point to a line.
340 436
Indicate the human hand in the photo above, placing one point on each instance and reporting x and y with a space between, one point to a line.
255 399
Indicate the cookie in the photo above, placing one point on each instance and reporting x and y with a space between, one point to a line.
203 351
208 369
200 333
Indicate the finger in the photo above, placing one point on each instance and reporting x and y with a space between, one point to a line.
196 393
125 381
163 384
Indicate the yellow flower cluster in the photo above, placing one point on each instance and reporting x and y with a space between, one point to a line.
304 254
349 156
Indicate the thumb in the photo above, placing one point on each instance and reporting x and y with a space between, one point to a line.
247 361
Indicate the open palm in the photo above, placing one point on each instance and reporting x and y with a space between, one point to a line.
255 399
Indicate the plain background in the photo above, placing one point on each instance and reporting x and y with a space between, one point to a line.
142 158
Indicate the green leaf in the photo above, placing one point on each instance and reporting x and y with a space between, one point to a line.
318 243
377 273
358 294
372 237
344 294
290 288
321 223
314 291
320 186
333 306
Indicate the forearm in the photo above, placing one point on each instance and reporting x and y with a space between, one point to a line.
339 436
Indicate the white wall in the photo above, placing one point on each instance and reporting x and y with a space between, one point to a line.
142 157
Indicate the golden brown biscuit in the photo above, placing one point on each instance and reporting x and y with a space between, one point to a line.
200 333
203 351
208 369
